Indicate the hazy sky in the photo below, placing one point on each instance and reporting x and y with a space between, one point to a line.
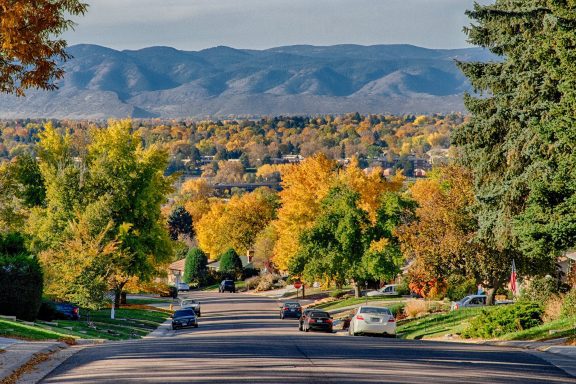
198 24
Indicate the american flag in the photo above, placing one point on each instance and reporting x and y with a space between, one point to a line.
513 286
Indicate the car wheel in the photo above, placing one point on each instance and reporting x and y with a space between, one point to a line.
173 328
199 314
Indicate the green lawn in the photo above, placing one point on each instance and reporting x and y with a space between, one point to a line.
128 324
357 300
554 329
436 325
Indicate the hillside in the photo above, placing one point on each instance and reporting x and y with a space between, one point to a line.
221 81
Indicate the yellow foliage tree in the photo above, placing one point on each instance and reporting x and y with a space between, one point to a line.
304 186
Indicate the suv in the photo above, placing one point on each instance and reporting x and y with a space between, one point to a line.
469 301
227 285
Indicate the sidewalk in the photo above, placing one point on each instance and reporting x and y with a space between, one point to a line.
17 353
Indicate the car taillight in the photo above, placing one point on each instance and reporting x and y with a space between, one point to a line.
285 308
391 320
456 306
360 317
329 321
75 310
311 321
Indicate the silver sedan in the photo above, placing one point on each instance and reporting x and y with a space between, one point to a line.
376 320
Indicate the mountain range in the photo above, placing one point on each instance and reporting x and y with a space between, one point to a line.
164 82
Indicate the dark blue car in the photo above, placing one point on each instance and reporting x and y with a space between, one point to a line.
67 311
290 309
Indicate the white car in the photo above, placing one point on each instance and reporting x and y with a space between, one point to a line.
183 287
191 304
376 320
387 290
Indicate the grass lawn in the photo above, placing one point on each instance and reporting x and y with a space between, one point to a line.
129 323
357 300
560 328
147 300
436 325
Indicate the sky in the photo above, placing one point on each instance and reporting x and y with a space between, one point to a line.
259 24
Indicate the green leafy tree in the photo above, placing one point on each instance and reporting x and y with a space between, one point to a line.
230 263
180 223
519 139
343 244
195 268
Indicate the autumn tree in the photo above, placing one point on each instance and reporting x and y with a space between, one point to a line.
235 224
303 188
31 51
116 187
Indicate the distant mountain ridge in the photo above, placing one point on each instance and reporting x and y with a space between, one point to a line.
221 81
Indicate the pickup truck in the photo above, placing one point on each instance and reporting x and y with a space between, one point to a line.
191 303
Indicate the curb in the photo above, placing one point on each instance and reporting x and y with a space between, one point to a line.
26 357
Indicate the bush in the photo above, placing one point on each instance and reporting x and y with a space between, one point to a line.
498 321
459 287
338 293
252 282
21 282
403 287
47 311
553 310
540 289
569 305
250 272
267 282
414 308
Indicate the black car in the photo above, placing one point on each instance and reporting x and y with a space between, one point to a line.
318 321
227 286
184 318
67 311
290 309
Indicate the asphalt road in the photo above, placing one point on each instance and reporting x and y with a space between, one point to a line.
242 340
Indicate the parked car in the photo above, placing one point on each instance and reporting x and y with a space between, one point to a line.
303 317
291 309
191 303
183 287
227 286
470 301
317 321
387 290
375 320
67 311
474 301
184 318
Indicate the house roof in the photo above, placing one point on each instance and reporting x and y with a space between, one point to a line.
178 265
216 263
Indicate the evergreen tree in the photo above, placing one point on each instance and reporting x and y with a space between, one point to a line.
519 140
180 223
230 263
195 269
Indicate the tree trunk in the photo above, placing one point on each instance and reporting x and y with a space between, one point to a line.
356 289
491 292
123 298
118 294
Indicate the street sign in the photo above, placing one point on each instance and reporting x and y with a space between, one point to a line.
297 284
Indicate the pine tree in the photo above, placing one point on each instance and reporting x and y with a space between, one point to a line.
195 269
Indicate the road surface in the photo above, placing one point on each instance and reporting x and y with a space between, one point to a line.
242 340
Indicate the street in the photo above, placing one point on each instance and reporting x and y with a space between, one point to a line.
242 340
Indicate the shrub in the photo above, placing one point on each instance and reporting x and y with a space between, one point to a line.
396 309
47 311
403 287
338 293
540 289
553 309
267 282
498 321
252 282
21 282
414 308
459 287
569 306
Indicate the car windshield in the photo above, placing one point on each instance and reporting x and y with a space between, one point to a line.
292 305
185 312
228 282
189 301
316 315
376 311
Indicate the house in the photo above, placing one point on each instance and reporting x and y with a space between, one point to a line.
176 272
566 262
246 263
